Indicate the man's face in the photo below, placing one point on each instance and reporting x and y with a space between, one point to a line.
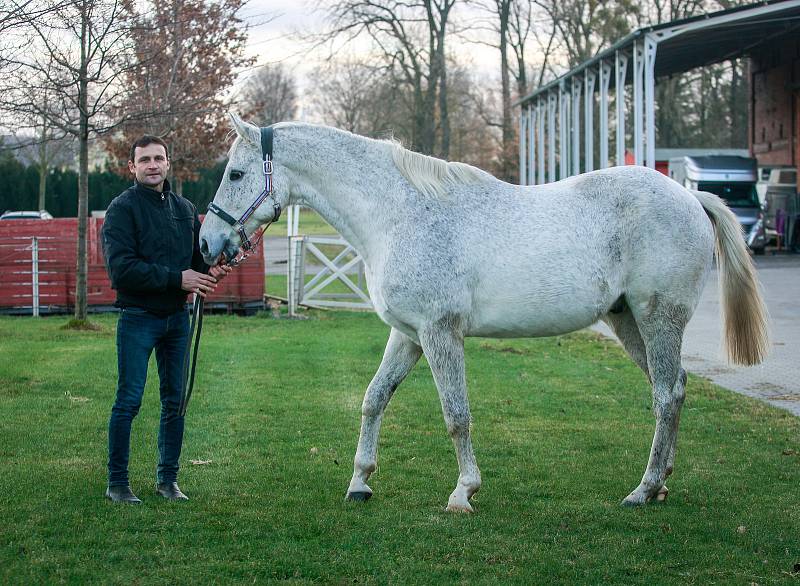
150 166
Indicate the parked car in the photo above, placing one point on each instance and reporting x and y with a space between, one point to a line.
24 215
734 180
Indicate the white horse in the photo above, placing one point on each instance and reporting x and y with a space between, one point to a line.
451 252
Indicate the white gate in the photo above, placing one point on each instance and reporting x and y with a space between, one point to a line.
338 264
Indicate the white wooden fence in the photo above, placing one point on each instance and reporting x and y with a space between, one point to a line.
339 264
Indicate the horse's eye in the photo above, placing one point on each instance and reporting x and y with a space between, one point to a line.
236 175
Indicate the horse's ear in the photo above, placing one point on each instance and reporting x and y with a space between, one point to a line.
247 131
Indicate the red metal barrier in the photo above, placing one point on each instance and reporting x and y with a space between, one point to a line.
242 290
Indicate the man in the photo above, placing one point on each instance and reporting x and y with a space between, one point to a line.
150 238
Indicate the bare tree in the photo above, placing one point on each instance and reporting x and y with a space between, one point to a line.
474 140
42 144
343 93
75 59
16 15
187 52
45 150
703 107
511 25
270 94
586 26
411 37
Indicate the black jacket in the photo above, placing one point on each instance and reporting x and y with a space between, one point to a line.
149 238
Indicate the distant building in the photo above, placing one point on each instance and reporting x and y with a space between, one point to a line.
774 136
552 145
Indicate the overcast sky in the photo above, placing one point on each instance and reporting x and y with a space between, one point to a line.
274 23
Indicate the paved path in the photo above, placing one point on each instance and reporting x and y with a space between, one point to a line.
277 250
777 380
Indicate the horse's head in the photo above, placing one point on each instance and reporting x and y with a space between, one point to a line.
246 197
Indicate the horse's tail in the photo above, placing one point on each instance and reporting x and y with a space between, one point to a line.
744 314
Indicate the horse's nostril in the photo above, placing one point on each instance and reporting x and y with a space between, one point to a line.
203 246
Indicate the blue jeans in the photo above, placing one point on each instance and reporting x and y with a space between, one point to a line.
138 333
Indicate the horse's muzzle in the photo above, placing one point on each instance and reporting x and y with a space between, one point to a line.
219 249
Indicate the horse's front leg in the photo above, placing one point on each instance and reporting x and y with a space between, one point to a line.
399 358
443 345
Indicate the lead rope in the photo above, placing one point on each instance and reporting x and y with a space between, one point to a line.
194 337
248 249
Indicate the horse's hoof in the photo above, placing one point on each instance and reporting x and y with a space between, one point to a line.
635 499
640 497
359 497
459 503
460 508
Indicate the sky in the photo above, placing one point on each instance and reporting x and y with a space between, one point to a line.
273 24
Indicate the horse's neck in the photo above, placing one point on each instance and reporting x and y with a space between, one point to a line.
350 186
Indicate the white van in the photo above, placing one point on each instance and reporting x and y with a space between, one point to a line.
734 180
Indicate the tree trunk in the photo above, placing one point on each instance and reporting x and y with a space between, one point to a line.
428 113
444 116
42 168
419 137
83 174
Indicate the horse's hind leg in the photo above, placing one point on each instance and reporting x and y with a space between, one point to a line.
399 358
625 328
443 345
661 328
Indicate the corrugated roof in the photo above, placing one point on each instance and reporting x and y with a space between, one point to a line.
702 40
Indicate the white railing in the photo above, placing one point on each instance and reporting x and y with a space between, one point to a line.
337 266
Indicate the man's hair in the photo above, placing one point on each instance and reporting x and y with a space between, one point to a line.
146 140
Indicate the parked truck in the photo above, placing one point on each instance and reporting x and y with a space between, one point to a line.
734 180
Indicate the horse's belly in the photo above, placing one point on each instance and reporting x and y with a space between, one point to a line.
538 313
528 322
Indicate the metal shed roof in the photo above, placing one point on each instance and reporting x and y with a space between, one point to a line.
702 40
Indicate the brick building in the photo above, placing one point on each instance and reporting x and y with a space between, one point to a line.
775 103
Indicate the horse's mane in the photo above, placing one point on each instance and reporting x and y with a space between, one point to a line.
433 176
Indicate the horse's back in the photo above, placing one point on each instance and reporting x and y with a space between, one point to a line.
557 257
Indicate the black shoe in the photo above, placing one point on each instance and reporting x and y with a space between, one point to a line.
170 491
122 494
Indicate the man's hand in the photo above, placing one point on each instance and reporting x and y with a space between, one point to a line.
219 271
199 283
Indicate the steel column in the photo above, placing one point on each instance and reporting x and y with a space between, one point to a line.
563 135
540 110
551 135
588 122
532 154
638 113
619 90
605 78
650 46
576 125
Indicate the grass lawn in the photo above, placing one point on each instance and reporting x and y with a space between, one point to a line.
276 285
562 429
